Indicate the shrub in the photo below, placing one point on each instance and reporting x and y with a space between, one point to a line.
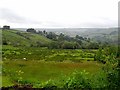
78 80
99 56
50 85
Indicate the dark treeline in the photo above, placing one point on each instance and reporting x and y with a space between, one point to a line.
66 42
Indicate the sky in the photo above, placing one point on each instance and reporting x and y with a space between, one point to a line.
59 13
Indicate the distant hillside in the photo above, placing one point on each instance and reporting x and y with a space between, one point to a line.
76 31
20 38
105 35
67 31
91 32
45 39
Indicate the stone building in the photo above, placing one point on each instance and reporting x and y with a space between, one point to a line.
6 27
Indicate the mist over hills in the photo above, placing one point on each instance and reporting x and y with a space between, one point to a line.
75 31
98 34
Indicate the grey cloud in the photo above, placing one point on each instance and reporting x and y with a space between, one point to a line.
53 24
101 22
11 17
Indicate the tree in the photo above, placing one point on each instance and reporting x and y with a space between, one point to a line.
99 56
44 33
61 36
54 45
79 37
40 32
69 45
51 35
93 45
32 30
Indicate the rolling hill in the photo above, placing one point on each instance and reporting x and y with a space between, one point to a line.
21 38
108 35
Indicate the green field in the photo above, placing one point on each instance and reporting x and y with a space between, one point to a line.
41 71
58 55
42 64
33 60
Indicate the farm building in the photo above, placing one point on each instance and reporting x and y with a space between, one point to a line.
6 27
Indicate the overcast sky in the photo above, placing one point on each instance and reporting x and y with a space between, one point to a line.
59 13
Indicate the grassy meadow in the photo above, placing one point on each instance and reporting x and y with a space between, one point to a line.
50 61
41 71
42 64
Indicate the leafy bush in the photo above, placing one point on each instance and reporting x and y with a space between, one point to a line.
99 56
78 80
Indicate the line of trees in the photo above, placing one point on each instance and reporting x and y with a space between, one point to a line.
66 42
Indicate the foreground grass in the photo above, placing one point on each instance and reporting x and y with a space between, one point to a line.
42 71
38 65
